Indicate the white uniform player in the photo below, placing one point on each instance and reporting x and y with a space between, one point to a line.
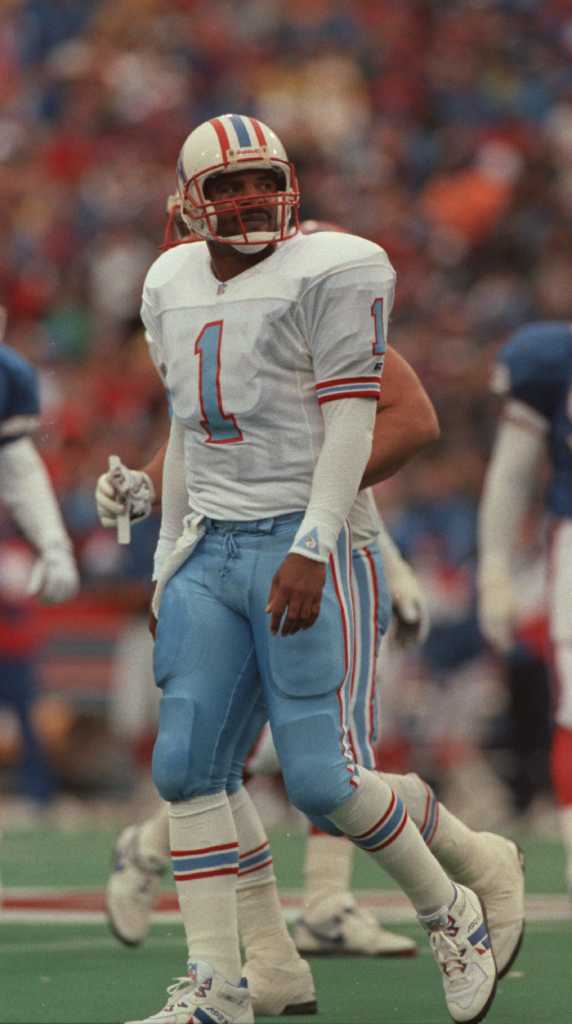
250 348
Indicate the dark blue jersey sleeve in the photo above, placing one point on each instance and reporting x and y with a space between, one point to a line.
19 398
534 365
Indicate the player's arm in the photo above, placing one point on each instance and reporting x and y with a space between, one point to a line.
405 423
346 315
508 486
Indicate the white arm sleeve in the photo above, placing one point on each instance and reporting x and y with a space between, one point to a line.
175 499
27 492
337 475
509 483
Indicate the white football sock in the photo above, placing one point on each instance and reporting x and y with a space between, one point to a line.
457 847
154 835
327 869
261 923
377 821
204 852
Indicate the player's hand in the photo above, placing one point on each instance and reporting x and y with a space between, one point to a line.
134 490
411 622
296 594
55 577
497 608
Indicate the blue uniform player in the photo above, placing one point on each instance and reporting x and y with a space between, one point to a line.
25 487
533 372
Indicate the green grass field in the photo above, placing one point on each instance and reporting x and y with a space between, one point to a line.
58 967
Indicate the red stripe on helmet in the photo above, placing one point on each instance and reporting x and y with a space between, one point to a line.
222 138
260 137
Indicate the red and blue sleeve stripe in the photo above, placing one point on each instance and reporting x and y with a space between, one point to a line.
348 387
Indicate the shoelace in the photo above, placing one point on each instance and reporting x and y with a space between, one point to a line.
176 989
451 957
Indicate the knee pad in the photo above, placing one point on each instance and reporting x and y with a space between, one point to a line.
175 766
314 768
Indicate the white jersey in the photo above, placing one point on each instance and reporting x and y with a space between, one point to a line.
248 363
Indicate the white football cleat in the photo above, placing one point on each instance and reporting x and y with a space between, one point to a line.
204 997
462 949
340 928
499 884
132 888
281 990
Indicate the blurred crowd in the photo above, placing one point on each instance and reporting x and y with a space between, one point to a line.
442 130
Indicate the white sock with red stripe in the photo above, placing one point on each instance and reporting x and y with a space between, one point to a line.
261 924
327 868
204 852
457 847
376 820
154 835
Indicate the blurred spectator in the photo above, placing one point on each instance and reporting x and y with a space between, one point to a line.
443 131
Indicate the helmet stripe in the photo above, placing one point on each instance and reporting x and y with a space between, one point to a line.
260 138
222 138
241 130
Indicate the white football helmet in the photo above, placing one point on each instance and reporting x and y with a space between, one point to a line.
226 144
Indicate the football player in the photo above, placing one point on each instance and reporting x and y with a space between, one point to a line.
533 373
25 487
335 923
272 355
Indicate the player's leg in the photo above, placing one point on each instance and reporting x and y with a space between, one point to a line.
306 683
561 750
280 982
560 616
332 921
208 687
489 864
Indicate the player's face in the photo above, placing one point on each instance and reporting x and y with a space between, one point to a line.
245 192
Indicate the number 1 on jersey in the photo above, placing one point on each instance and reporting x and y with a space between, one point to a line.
221 427
379 333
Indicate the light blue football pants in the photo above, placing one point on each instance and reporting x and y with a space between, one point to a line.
223 674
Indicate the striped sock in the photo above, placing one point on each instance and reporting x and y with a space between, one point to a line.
204 852
376 820
261 924
457 847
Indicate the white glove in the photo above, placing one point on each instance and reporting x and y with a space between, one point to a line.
497 607
54 575
132 489
411 621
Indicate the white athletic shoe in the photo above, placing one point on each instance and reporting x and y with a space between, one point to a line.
281 990
461 946
132 888
499 883
340 928
204 996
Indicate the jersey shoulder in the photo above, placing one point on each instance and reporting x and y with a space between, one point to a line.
313 257
183 260
19 395
19 376
540 353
